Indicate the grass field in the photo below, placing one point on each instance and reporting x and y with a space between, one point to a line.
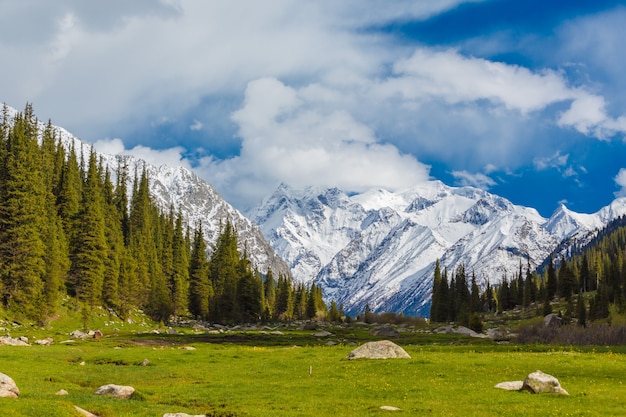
258 374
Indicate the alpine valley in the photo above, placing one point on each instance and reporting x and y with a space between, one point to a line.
378 249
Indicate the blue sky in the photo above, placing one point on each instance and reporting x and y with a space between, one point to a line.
524 99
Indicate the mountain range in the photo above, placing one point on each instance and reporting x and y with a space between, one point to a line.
374 249
378 249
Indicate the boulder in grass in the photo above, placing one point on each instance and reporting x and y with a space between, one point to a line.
510 385
383 349
538 382
8 388
116 391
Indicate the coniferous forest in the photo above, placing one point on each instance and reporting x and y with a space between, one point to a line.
68 229
590 281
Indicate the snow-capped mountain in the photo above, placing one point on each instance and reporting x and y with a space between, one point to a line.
180 188
379 248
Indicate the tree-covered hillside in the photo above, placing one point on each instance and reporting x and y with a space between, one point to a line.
591 281
66 229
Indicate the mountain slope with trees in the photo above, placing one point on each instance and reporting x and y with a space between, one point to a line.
68 229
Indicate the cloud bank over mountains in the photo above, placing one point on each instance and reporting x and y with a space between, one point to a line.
326 93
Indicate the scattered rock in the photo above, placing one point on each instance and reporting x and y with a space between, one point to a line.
172 331
77 334
277 333
390 408
188 348
385 331
552 320
310 326
61 392
45 342
9 341
322 333
84 412
144 362
116 391
383 349
538 382
331 343
510 385
8 388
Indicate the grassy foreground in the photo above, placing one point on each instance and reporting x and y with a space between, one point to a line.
227 379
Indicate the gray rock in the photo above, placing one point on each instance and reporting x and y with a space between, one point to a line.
9 341
510 385
84 412
383 349
144 362
116 391
385 331
77 334
322 333
61 392
390 408
538 382
552 320
8 388
45 342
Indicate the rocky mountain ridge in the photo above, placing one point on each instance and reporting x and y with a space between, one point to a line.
378 248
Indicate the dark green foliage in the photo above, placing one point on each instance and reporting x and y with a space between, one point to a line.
581 311
200 289
67 229
23 219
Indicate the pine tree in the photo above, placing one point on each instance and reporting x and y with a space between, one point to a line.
436 293
223 271
179 279
200 288
333 314
551 284
566 282
270 295
581 311
89 248
23 220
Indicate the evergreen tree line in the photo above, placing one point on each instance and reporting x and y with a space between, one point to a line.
598 268
67 230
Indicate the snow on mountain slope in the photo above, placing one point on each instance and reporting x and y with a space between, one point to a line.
180 188
379 248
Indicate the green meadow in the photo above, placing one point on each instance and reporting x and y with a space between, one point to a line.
256 373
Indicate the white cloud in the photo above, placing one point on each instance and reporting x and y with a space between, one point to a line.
289 137
454 78
478 180
196 125
555 161
172 156
620 181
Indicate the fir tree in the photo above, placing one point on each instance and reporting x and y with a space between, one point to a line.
23 220
89 248
200 288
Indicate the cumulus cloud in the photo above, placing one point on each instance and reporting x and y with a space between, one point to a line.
555 161
620 181
289 137
171 157
478 180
